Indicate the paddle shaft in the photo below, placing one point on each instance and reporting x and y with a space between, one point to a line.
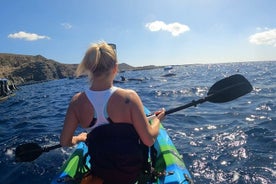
47 149
193 103
200 101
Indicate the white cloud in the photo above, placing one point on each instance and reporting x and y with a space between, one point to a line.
27 36
174 28
66 25
267 37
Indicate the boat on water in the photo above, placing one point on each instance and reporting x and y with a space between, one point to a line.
124 79
3 98
168 75
169 166
169 70
168 67
7 89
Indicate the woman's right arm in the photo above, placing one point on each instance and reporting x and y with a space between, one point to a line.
147 132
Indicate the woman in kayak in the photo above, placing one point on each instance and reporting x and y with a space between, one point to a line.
114 119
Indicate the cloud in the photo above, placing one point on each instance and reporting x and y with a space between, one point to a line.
66 25
174 28
27 36
267 37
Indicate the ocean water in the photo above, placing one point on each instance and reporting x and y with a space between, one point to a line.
233 142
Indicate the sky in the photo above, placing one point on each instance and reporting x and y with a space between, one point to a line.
146 32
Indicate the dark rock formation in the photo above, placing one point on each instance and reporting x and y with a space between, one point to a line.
25 68
22 69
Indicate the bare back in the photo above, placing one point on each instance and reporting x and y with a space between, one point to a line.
119 107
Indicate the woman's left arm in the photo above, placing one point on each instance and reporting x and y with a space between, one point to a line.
67 137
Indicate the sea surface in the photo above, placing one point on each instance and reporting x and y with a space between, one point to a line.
233 142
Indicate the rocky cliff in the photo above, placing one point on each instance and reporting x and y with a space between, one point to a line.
22 69
25 68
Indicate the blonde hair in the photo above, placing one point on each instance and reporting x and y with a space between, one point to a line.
99 59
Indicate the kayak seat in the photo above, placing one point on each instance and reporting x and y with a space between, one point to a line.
117 154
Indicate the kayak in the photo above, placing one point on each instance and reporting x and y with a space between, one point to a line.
3 98
169 166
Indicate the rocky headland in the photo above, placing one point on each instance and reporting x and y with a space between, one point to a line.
24 69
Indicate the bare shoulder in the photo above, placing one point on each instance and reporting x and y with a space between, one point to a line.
130 96
128 93
78 97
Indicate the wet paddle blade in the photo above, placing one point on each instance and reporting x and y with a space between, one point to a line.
27 152
229 89
224 90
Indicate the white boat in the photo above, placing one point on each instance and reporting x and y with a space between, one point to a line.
168 67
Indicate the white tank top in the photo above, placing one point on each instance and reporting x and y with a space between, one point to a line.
99 101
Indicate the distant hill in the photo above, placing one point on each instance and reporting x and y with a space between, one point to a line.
22 69
26 68
125 67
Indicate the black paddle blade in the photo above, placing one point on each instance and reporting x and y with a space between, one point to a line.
229 89
27 152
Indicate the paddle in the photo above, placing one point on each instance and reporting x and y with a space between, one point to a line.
225 90
31 151
222 91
